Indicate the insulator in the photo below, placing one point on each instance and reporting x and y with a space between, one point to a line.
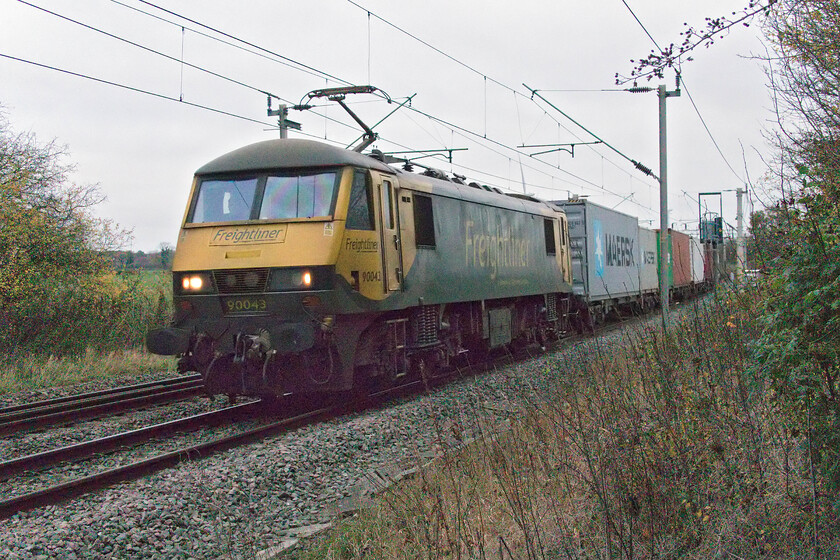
643 168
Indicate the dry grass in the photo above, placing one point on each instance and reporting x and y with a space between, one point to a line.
27 373
657 447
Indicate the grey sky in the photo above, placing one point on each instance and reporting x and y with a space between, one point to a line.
143 150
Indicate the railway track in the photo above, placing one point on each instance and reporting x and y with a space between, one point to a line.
64 410
92 483
138 469
85 485
83 450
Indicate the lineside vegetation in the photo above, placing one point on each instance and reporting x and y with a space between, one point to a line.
657 447
62 302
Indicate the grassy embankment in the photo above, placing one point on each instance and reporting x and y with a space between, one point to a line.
91 335
657 447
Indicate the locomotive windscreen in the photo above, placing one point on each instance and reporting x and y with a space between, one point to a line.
265 197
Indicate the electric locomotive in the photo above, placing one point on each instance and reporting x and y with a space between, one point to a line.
301 267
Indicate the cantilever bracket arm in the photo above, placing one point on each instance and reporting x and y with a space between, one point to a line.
557 147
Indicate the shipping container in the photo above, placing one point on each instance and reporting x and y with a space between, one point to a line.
697 261
648 271
605 251
679 259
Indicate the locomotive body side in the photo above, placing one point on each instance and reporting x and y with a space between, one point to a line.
306 268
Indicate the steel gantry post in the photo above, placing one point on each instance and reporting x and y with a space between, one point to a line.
664 237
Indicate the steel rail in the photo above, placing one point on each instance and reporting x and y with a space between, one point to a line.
71 489
75 415
44 459
80 404
74 488
94 394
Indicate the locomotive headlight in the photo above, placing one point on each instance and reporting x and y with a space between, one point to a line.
194 283
294 278
301 279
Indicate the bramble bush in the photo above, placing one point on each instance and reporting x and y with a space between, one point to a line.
799 344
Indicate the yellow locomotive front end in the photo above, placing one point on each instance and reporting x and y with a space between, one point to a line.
258 301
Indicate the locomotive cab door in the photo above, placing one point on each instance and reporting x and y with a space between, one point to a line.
385 189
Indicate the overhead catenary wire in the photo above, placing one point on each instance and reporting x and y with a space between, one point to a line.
471 133
709 132
245 42
148 49
157 95
441 121
228 113
635 163
340 80
261 90
181 61
642 25
232 44
481 74
131 88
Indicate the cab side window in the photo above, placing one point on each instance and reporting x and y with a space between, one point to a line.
360 209
550 245
424 222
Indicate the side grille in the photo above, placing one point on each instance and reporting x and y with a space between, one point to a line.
242 281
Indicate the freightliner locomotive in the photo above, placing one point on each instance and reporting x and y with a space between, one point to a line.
301 268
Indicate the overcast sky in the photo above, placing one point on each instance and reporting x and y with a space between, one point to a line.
142 150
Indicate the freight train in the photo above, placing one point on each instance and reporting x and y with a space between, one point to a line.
305 268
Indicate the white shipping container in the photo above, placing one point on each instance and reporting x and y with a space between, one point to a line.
605 251
698 260
648 271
